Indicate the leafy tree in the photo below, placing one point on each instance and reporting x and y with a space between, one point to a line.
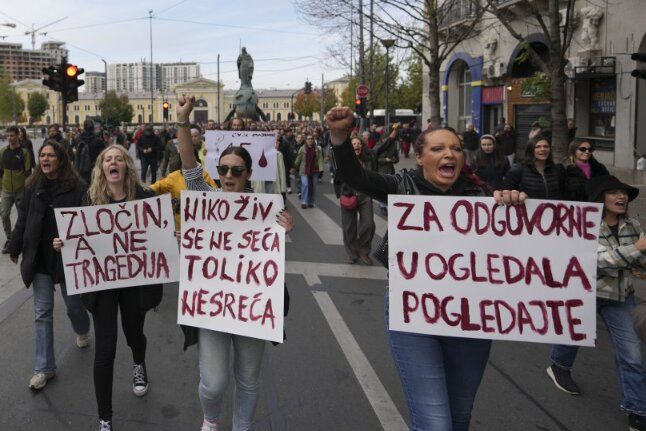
306 104
37 105
116 109
407 95
7 100
329 100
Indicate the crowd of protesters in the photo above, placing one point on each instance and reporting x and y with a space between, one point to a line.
94 166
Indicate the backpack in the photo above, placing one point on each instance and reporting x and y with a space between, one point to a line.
83 162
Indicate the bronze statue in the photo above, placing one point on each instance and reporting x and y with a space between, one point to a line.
246 99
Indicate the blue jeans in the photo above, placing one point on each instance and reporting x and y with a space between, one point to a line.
308 188
213 354
631 373
440 377
43 286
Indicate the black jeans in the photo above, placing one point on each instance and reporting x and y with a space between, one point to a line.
151 163
105 329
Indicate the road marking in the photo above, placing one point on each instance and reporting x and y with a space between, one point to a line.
381 224
321 223
288 238
312 271
382 404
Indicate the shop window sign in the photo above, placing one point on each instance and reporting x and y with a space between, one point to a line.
603 101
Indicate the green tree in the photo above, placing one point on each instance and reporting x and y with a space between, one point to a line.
306 104
409 89
116 109
37 105
329 100
9 100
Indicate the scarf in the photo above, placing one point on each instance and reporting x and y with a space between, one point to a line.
310 160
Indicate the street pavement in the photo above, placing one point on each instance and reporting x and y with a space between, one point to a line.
334 371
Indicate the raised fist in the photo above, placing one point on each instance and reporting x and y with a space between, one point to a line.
339 120
184 107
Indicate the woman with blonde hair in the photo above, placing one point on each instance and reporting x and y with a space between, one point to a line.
115 180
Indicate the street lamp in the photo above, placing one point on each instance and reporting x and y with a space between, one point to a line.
387 43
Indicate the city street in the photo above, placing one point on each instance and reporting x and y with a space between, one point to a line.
334 372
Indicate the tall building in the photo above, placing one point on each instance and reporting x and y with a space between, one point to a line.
135 77
23 64
178 73
94 82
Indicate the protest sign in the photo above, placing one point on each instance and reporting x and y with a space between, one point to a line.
118 245
468 267
232 264
261 147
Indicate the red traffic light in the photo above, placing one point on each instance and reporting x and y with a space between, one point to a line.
165 105
357 102
71 71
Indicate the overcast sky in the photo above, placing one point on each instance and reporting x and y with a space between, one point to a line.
286 51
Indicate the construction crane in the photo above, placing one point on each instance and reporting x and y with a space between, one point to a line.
33 31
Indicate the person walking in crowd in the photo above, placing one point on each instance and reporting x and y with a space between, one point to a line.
440 375
25 142
580 167
537 175
571 129
15 167
54 132
622 248
506 138
114 180
149 145
308 164
299 142
490 164
357 234
54 184
88 147
471 145
536 130
214 347
405 139
287 146
170 156
387 156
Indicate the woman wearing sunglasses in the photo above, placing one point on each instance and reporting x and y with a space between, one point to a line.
581 166
234 169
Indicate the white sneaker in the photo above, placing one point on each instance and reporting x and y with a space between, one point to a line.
209 426
139 380
105 425
39 380
83 340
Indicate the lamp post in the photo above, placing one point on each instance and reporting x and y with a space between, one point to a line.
105 91
152 84
387 43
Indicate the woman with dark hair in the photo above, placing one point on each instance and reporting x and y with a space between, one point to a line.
490 163
234 169
308 164
440 375
537 175
622 249
357 234
25 142
115 180
54 184
580 167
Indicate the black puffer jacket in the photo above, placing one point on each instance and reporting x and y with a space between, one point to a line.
575 180
26 235
525 178
150 296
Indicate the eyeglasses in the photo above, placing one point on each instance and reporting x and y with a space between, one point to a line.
586 149
236 171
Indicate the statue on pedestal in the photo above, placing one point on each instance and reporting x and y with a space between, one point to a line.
246 99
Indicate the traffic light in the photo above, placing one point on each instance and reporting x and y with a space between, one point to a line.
72 82
165 105
640 58
360 107
308 87
53 78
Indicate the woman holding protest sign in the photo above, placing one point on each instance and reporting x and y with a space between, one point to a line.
115 180
440 375
234 169
54 184
622 250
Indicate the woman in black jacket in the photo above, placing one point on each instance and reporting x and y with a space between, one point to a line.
54 184
440 375
114 180
580 166
538 176
490 163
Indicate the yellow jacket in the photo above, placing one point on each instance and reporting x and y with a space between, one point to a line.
174 183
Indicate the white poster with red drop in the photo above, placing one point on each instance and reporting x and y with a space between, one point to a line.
261 146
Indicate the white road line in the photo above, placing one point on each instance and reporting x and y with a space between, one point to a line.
380 222
329 232
382 404
315 269
288 238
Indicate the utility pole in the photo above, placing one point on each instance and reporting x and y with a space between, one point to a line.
371 99
351 39
152 85
362 76
218 104
322 94
105 91
13 104
63 93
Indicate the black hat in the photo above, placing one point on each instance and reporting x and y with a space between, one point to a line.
598 185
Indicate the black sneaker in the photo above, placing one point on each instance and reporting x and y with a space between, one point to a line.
105 425
139 380
562 378
636 422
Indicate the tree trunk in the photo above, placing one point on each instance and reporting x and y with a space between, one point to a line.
433 63
557 86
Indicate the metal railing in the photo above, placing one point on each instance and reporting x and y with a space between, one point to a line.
454 11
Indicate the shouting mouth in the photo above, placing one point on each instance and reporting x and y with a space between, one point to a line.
447 170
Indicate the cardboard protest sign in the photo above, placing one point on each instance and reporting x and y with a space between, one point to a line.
467 267
261 146
232 264
118 245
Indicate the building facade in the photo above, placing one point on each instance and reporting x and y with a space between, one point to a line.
22 64
173 74
483 79
136 77
94 82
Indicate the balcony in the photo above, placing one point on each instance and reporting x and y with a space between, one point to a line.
456 13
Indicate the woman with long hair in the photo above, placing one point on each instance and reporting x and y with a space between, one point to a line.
115 180
580 167
537 175
490 163
53 184
357 219
25 142
308 164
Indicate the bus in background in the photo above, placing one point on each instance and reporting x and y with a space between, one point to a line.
397 116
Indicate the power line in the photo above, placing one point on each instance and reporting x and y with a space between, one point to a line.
97 25
236 26
169 8
285 59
